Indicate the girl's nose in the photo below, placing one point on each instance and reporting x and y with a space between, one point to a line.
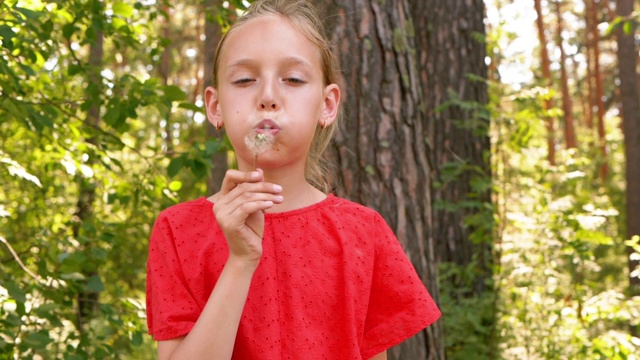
268 100
264 105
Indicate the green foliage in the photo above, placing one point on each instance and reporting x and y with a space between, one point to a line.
78 197
467 296
562 269
469 321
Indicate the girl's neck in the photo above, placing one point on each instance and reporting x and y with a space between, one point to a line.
297 192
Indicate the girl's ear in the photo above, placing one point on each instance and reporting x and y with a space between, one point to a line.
212 103
331 105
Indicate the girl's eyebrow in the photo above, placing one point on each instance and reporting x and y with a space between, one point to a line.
294 60
242 62
288 61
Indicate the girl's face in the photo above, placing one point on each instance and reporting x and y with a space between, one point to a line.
270 83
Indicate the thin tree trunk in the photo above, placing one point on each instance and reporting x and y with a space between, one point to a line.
165 69
630 99
88 300
546 76
599 101
198 89
567 104
212 34
381 152
590 78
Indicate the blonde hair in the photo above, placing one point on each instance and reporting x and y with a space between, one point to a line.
305 18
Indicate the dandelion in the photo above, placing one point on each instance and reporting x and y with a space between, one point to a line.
258 143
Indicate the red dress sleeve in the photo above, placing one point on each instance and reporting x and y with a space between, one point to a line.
171 308
399 305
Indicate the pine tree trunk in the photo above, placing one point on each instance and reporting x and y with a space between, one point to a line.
590 78
599 101
548 79
630 99
567 103
212 34
381 151
452 60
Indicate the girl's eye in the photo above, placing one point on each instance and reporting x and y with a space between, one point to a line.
243 81
295 81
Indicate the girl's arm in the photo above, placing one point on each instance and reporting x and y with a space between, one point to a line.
214 334
238 209
381 356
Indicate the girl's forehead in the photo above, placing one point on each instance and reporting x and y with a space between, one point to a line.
268 35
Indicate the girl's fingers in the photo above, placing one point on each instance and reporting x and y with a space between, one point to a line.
249 198
233 178
242 194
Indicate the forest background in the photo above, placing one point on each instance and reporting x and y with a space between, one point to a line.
500 140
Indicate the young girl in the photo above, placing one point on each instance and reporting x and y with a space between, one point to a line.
279 269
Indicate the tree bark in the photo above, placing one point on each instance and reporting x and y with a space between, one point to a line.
453 72
630 99
165 69
590 78
382 151
212 34
599 101
548 79
88 300
567 103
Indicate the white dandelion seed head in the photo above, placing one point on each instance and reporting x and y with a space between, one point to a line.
258 142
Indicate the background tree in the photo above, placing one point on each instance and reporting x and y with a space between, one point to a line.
598 101
212 33
630 100
453 78
548 80
88 300
381 151
567 102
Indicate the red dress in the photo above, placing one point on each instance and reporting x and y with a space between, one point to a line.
333 282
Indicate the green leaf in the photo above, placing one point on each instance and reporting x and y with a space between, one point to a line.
7 35
95 284
118 23
48 311
175 185
627 27
38 340
199 169
173 93
74 69
136 338
68 30
29 14
214 147
15 291
175 166
27 69
613 25
122 9
191 106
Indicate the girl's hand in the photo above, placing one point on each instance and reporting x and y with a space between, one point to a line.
238 208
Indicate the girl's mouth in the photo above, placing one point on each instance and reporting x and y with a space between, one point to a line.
267 127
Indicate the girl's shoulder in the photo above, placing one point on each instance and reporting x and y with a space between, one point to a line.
342 206
331 206
187 209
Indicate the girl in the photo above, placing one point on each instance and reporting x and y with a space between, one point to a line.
279 269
